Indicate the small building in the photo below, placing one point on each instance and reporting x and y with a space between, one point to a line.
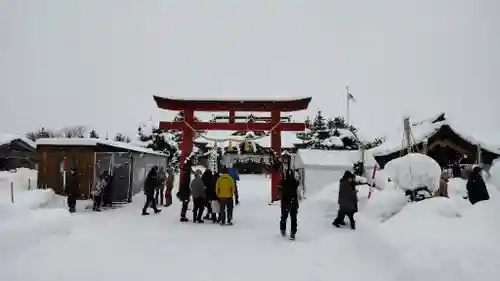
127 163
440 140
324 167
17 152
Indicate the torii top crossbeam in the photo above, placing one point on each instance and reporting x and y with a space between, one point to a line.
282 105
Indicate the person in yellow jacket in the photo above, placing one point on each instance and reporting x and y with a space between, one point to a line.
224 189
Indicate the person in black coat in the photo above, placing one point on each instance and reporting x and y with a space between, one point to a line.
348 200
107 192
184 192
208 180
289 195
150 185
476 187
72 190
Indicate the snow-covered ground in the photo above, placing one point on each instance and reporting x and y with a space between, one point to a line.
436 239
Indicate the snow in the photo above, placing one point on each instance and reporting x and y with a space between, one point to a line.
328 159
414 170
325 166
495 172
94 142
8 138
422 131
436 239
235 98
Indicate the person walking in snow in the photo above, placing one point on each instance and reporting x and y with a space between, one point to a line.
97 191
107 192
184 193
169 186
160 189
72 190
476 187
224 189
348 200
198 191
289 194
233 172
150 185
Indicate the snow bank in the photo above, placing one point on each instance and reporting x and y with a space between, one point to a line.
495 173
448 238
414 170
384 204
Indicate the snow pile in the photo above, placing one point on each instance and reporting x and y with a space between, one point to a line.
26 196
447 238
384 204
457 188
495 173
414 170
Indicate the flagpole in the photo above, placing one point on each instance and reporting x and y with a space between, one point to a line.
348 110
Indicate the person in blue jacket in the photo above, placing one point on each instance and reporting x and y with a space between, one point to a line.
233 172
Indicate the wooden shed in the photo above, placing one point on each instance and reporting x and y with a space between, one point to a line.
17 152
127 163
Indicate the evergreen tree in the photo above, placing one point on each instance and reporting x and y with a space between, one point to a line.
41 134
122 138
93 134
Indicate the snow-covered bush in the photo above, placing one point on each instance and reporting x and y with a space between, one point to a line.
413 171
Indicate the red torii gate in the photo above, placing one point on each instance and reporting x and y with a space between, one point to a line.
275 107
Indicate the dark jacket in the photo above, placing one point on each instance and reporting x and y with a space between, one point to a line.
289 193
72 181
184 189
198 188
208 180
476 188
348 198
151 182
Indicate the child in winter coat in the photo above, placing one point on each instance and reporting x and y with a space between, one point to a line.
198 191
97 191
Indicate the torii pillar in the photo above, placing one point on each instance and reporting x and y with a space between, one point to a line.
189 125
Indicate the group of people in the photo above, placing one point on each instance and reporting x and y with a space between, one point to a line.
217 193
101 192
158 189
476 186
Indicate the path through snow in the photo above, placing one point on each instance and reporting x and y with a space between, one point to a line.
123 245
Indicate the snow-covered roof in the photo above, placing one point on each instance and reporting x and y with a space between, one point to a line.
332 158
8 138
288 139
94 142
270 97
421 132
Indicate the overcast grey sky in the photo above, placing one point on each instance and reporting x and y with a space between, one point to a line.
98 62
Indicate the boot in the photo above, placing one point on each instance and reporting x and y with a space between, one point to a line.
283 233
184 220
145 213
353 225
292 236
157 211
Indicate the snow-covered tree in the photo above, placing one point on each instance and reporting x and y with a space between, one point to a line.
330 134
41 134
78 131
93 134
160 140
122 138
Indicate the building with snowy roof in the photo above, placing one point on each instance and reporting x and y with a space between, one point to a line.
127 163
17 151
440 140
324 167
